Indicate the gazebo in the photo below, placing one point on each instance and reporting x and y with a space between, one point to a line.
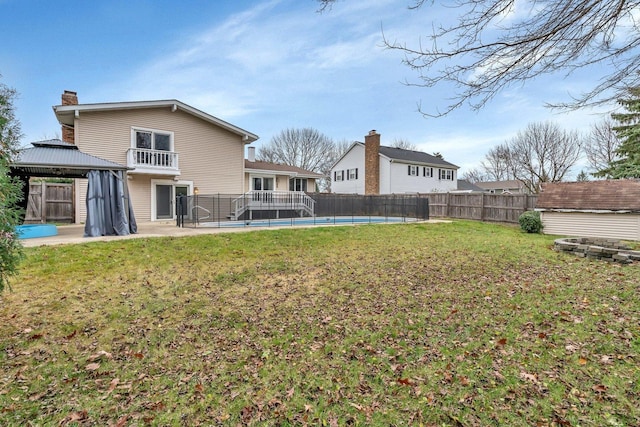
109 210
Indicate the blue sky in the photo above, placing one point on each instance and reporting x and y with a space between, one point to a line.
262 65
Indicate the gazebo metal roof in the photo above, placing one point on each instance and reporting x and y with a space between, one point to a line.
55 158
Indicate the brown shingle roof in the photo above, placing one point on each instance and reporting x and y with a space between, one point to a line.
276 167
612 195
501 185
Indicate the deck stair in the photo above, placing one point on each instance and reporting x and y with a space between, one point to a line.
277 201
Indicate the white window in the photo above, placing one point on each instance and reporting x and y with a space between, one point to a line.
152 139
446 174
427 172
298 184
338 175
261 183
352 174
413 170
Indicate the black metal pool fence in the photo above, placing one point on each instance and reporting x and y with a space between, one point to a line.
223 210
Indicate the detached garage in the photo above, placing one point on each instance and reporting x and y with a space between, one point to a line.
608 209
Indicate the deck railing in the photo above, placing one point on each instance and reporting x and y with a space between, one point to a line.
152 159
265 200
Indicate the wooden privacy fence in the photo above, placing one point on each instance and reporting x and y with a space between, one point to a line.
50 201
480 206
477 206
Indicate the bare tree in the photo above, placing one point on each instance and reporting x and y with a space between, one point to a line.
474 175
601 145
404 144
543 152
305 148
497 164
499 43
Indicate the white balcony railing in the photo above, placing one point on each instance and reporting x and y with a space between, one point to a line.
145 160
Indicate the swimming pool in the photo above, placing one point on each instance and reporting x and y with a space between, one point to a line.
324 220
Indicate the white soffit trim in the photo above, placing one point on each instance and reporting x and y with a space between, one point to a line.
66 113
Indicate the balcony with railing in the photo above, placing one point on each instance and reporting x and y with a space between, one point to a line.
157 162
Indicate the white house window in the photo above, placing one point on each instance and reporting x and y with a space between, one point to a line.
298 184
413 170
352 174
446 174
338 175
153 140
427 172
260 183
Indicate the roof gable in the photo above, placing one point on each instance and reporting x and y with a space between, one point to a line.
67 113
612 195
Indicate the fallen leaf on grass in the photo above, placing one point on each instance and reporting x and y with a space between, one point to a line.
582 361
122 421
605 360
112 386
100 355
600 388
73 417
529 377
404 381
92 367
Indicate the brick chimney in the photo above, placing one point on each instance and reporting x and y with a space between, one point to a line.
372 163
68 132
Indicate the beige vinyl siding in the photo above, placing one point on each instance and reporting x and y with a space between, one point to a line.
583 224
282 183
209 156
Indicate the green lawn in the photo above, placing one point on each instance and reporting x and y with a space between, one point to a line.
458 324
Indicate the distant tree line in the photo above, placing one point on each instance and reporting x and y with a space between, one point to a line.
543 152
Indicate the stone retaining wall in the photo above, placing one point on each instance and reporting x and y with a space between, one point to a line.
605 249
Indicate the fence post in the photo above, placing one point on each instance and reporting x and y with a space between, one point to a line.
482 206
43 201
448 205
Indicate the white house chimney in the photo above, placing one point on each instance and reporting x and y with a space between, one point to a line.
251 154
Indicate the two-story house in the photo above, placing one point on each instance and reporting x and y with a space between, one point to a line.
170 148
371 168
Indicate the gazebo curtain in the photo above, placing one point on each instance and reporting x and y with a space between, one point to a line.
109 210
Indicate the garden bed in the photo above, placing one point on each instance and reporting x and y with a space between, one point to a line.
605 249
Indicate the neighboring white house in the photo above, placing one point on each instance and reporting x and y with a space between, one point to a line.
607 209
371 168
